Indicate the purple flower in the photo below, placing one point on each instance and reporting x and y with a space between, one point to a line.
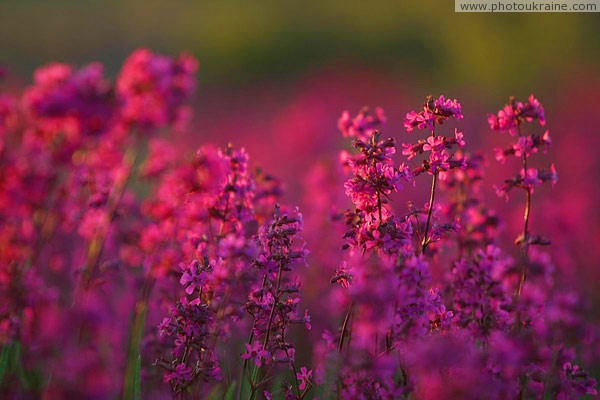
530 177
438 161
256 352
305 377
422 120
435 111
195 275
459 137
448 107
510 117
434 144
179 375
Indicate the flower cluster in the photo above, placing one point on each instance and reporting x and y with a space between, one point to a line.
513 114
482 304
440 159
153 89
438 148
528 179
492 333
71 102
70 223
364 125
214 206
274 303
511 119
131 267
213 213
374 179
191 327
435 111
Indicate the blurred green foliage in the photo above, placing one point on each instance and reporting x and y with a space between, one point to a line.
248 41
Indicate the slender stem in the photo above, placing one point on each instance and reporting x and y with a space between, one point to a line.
525 237
245 367
138 323
97 245
294 370
140 312
460 202
525 244
275 300
374 140
379 207
425 241
427 224
45 232
269 325
386 351
345 327
243 374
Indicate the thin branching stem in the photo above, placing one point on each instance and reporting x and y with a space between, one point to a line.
253 384
426 241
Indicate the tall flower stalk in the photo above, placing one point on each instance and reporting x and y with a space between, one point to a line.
511 119
274 304
435 112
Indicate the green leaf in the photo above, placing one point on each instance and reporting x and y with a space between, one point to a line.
137 380
10 361
230 391
11 366
132 388
4 361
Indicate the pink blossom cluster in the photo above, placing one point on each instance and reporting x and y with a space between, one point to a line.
438 148
435 111
363 125
154 89
513 114
374 178
511 119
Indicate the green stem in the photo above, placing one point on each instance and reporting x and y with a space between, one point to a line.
131 378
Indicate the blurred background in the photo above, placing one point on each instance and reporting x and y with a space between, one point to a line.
275 76
246 42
